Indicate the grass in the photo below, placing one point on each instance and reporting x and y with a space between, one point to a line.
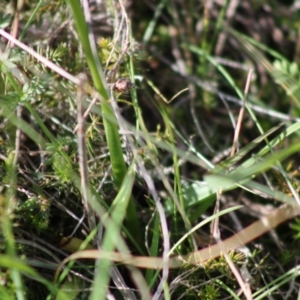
147 171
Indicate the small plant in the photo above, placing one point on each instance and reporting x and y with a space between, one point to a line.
210 292
128 141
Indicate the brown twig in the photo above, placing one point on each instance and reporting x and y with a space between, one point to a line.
200 257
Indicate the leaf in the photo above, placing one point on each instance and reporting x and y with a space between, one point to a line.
197 193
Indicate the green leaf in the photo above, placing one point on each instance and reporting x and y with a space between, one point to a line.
198 193
4 20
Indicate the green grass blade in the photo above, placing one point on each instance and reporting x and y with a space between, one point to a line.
109 120
110 239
